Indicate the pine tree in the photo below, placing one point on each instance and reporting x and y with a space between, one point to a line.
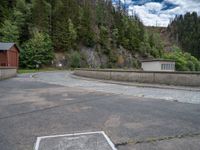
41 14
4 10
21 15
6 7
9 32
86 31
104 39
71 35
37 51
186 32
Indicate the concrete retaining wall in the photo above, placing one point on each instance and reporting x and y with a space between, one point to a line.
168 78
7 72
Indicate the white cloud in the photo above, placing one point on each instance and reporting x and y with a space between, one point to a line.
152 13
153 6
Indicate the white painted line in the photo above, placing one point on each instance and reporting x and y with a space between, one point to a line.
37 144
109 141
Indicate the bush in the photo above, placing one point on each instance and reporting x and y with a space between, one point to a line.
184 61
120 61
136 64
75 60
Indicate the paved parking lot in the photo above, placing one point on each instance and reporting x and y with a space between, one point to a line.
171 93
49 105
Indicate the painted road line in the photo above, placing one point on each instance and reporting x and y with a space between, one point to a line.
109 142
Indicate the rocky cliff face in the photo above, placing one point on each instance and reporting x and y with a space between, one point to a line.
93 59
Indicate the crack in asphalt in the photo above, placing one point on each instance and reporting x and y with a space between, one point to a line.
152 140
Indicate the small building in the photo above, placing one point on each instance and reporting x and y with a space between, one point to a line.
158 65
9 55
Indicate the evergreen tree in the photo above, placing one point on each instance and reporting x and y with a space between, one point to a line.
6 7
86 31
104 38
4 10
37 51
65 35
9 32
186 32
41 15
21 15
71 35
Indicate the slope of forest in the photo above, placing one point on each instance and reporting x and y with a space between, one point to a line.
81 33
167 42
185 31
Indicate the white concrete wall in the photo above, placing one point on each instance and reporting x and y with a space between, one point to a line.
157 66
151 66
7 73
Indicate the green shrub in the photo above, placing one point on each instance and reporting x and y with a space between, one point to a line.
75 60
184 61
136 64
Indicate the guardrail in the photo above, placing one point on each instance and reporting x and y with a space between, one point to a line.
7 72
167 78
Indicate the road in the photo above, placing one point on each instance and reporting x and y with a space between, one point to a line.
58 103
67 79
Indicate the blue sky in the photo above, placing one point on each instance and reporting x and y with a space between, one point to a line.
160 12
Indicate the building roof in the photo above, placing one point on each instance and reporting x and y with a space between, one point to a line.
160 60
7 46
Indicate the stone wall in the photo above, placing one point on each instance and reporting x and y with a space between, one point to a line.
168 78
7 72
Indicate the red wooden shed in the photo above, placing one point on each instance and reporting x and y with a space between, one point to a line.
9 55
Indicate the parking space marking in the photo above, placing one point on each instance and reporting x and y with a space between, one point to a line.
37 144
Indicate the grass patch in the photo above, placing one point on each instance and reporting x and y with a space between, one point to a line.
23 71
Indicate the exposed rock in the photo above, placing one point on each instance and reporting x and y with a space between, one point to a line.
94 59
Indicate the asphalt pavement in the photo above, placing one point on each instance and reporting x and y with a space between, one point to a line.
55 103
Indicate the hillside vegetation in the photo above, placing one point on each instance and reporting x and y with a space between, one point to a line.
172 50
77 33
185 31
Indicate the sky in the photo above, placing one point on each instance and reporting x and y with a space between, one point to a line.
160 12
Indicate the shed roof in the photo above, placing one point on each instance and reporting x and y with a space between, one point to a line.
156 60
7 46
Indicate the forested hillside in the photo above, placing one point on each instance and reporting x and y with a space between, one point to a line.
185 31
80 33
42 27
